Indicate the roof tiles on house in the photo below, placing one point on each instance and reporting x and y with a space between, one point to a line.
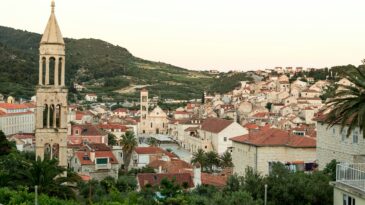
275 137
215 125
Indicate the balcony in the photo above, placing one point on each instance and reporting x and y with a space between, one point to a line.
352 175
103 166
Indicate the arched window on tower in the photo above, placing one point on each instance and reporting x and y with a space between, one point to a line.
60 62
58 116
45 115
47 151
55 151
43 71
52 67
52 116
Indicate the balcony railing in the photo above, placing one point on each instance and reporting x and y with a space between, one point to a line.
103 166
352 175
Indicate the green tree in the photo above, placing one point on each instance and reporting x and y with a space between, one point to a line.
330 169
5 146
348 105
128 142
226 160
112 139
153 142
212 160
50 178
199 157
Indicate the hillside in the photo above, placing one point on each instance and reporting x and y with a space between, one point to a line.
104 68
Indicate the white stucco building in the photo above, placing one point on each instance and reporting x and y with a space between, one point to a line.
213 134
16 118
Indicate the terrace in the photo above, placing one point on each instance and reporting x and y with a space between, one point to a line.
352 175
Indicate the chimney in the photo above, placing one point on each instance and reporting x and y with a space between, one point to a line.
160 169
197 174
92 155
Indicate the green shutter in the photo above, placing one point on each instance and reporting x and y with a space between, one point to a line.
102 161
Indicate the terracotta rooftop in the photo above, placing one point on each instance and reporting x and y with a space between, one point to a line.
215 125
251 126
261 114
155 179
275 137
154 150
84 157
10 106
2 113
89 130
173 166
113 126
214 180
121 110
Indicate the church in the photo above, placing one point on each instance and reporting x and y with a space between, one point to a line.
154 122
51 95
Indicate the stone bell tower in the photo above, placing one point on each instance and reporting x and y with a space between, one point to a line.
51 111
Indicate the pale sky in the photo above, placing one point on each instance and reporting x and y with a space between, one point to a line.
210 34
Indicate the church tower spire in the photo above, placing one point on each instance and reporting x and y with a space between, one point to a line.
51 111
52 54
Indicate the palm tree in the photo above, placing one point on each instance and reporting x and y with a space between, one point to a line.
112 139
152 142
50 178
212 159
348 106
129 142
199 157
226 160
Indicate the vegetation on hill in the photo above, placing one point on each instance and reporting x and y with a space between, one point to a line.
106 69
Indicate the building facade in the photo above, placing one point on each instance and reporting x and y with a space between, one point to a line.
334 144
260 149
16 118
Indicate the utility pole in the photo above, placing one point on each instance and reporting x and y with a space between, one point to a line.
36 195
265 194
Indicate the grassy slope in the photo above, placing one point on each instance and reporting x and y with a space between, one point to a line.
103 67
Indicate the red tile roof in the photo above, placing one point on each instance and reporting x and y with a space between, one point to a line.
87 161
30 105
148 150
153 150
251 126
261 114
9 106
24 136
155 179
113 126
121 110
173 166
276 137
215 125
2 113
214 180
89 130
